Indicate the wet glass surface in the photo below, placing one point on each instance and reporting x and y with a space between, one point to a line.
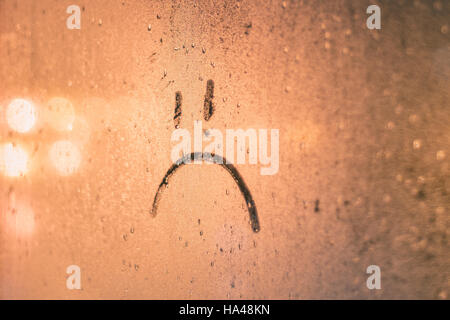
87 116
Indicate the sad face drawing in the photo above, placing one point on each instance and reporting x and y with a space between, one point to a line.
195 157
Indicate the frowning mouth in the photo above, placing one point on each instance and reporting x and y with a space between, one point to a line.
216 159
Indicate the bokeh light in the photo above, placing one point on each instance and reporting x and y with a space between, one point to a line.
13 160
65 156
21 115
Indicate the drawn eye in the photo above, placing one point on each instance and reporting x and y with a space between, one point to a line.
208 105
178 104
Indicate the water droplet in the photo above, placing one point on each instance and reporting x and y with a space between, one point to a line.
437 5
413 118
442 295
440 155
417 144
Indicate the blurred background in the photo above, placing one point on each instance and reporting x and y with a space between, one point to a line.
86 117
